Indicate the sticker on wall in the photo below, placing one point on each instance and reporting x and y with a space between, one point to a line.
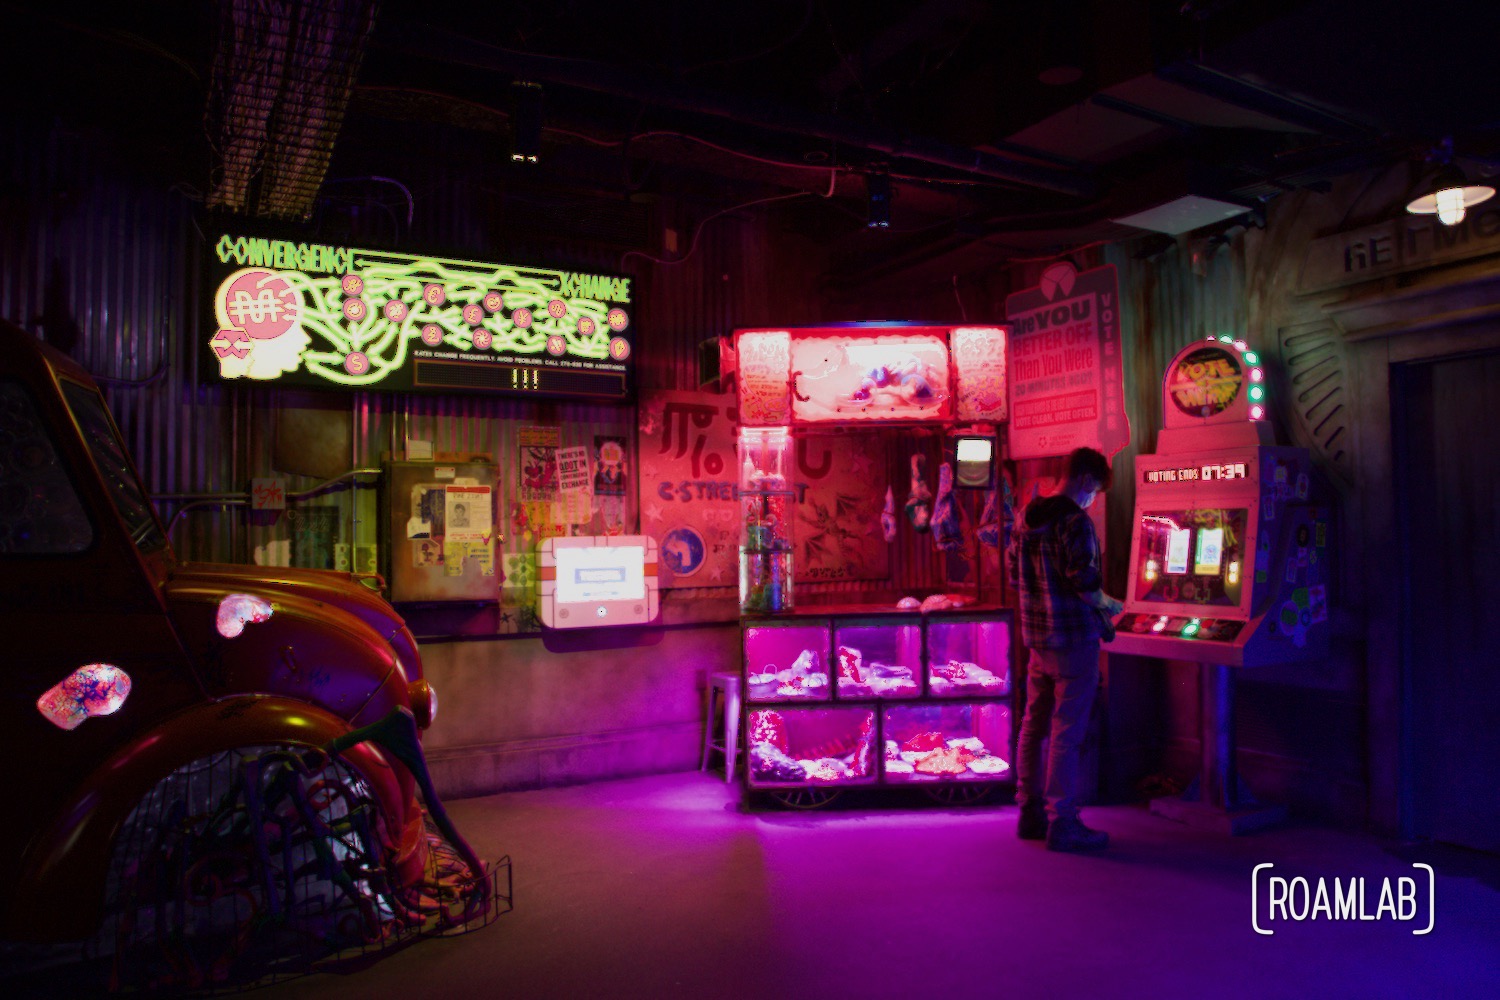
611 482
1317 603
683 550
537 459
313 532
468 513
573 473
1290 620
611 466
543 520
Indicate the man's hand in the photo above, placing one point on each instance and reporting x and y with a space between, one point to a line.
1105 603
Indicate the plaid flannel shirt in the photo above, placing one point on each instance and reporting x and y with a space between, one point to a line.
1051 562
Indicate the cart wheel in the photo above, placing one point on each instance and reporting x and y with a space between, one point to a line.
806 798
244 867
957 794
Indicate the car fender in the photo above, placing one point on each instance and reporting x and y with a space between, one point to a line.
61 891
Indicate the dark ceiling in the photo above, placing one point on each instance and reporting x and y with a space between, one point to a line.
795 104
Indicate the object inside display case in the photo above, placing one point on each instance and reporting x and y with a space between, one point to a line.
787 663
968 657
879 661
865 376
953 742
811 745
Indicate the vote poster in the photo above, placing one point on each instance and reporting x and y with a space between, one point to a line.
1065 371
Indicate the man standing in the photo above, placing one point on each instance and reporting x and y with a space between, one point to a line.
1054 562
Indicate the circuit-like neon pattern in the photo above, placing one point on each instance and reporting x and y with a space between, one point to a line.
359 327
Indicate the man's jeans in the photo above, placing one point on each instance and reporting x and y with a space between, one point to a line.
1060 684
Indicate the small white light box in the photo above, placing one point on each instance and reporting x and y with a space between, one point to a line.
595 580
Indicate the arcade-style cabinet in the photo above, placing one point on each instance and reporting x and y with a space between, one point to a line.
1229 558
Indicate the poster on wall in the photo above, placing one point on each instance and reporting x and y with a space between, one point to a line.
688 504
687 486
336 317
840 481
537 457
611 481
1065 371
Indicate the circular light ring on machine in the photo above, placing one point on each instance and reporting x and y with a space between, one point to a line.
1256 412
1256 375
1252 358
1256 392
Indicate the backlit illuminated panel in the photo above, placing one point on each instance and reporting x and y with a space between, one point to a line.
238 610
764 359
848 377
92 690
592 580
329 316
789 746
1217 380
947 742
979 369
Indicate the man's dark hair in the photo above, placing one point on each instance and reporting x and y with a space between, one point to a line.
1088 462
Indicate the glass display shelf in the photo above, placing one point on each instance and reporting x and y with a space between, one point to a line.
878 658
787 661
798 746
968 655
950 741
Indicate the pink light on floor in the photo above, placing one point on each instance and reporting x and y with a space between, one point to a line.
93 689
238 610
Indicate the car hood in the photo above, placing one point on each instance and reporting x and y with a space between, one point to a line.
328 586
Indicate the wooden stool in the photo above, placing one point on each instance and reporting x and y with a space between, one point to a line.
728 741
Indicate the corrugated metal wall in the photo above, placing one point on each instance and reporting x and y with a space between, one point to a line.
1188 292
93 255
102 268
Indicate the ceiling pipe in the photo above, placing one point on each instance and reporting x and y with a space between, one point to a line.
444 46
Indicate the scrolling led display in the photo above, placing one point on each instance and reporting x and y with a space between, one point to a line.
304 314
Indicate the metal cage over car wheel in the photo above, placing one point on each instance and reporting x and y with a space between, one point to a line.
263 863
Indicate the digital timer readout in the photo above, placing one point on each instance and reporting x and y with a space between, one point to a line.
1195 473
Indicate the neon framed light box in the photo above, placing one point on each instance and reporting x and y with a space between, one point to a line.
331 317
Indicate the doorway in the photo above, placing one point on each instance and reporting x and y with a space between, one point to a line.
1447 484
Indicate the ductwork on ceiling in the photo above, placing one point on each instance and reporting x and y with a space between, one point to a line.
282 75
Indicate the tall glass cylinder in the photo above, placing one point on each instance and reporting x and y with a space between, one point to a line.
767 502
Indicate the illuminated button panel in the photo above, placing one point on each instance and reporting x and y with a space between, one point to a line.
1182 627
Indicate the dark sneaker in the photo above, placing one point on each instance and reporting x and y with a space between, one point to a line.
1072 835
1033 823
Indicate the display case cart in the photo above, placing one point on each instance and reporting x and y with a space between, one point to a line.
866 696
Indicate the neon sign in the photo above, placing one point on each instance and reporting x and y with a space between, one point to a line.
343 317
1205 382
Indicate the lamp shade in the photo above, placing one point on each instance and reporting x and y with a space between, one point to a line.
1450 195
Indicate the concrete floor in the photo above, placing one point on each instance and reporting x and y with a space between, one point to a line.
665 887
